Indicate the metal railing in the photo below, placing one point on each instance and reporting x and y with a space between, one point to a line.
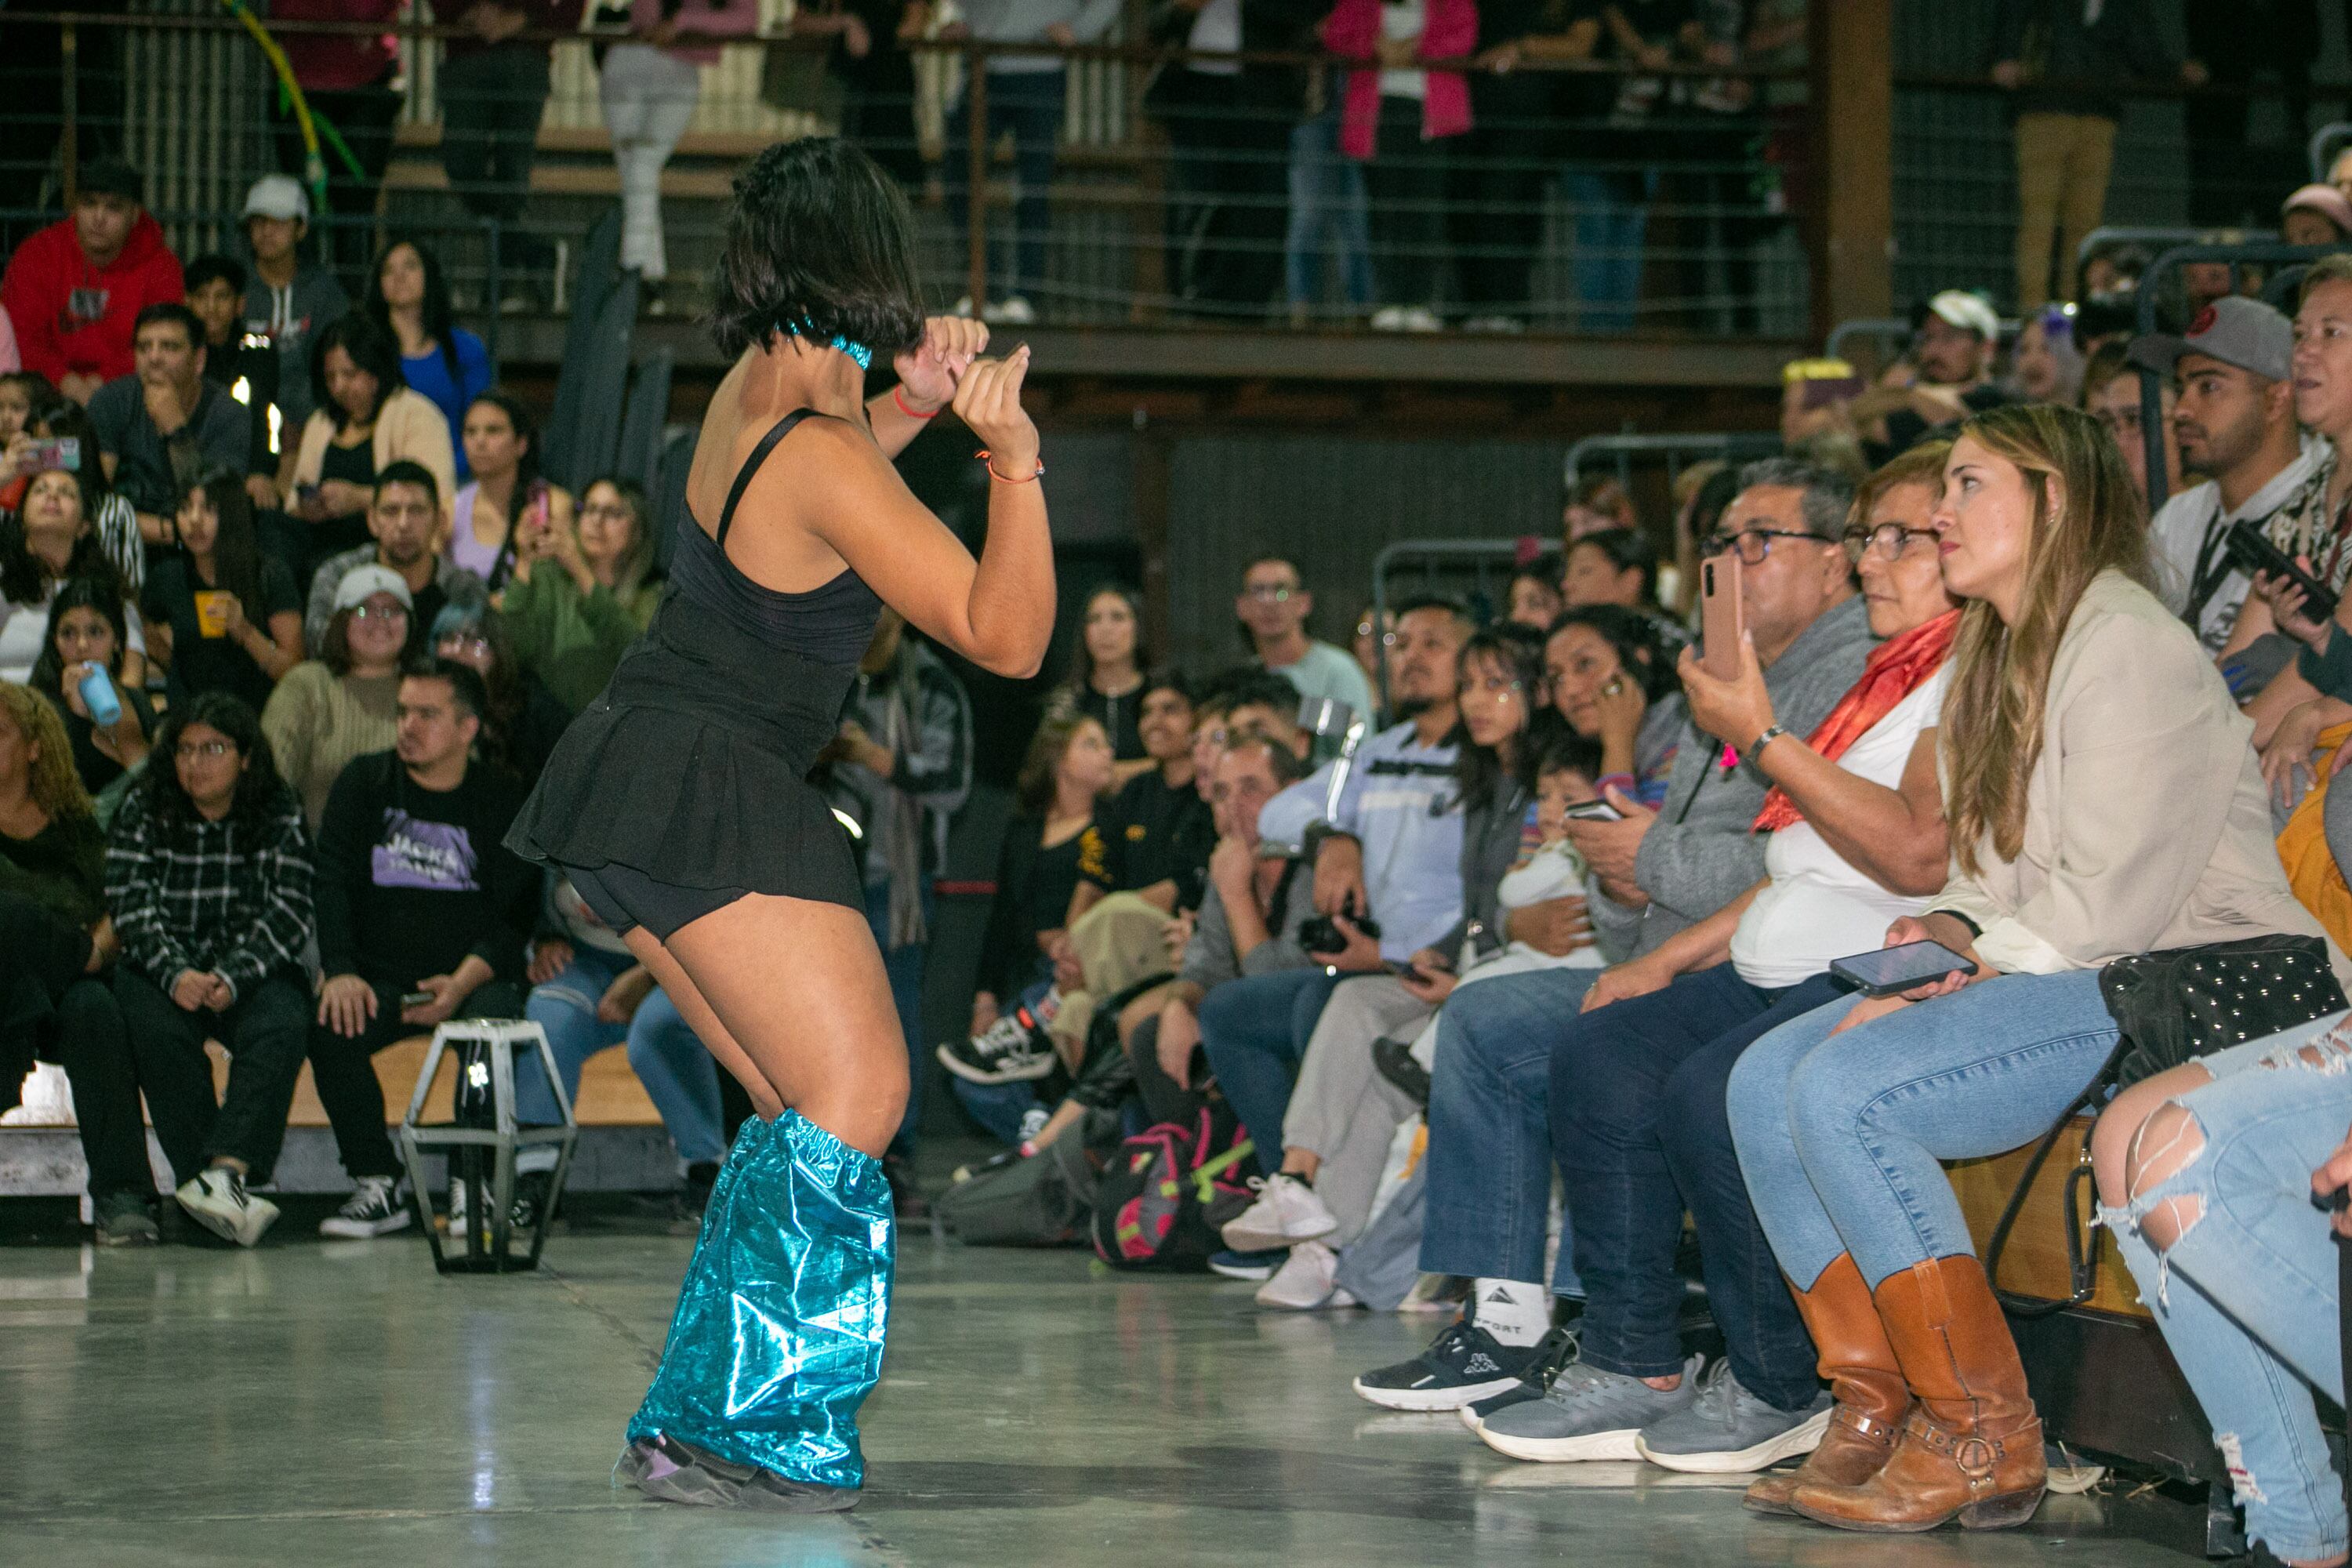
1483 558
1674 451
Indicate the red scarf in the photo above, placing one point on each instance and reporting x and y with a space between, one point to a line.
1896 669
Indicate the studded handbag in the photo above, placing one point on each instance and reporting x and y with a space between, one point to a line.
2171 1008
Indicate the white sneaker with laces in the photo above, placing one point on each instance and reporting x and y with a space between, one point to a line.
1303 1282
216 1199
374 1209
1287 1213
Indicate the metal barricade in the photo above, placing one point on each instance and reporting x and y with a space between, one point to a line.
1675 450
1481 557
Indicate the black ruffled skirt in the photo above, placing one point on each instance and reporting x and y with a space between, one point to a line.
692 768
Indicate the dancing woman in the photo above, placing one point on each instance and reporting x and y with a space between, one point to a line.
677 802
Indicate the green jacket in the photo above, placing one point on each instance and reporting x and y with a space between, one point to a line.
572 643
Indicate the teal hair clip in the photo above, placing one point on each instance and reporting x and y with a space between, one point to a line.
856 350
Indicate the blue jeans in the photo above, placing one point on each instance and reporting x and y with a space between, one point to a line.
904 965
679 1077
2247 1295
1326 196
1839 1137
1256 1030
1489 1131
1612 221
1031 105
1640 1130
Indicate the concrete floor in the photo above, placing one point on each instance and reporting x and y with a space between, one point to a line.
338 1403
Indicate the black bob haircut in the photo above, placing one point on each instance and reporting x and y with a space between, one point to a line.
819 241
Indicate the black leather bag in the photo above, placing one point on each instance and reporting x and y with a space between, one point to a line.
2171 1008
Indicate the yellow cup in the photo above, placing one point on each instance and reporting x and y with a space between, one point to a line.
212 612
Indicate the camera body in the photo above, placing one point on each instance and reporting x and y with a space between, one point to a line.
1322 933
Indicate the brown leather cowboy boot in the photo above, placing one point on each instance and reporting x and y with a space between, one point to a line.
1859 1366
1972 1446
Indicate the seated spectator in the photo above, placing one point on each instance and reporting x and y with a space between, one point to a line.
59 1000
2316 214
59 421
163 425
2046 366
1369 644
49 541
1613 683
1534 600
1636 1093
899 768
221 615
506 497
404 521
344 703
366 424
408 301
208 877
1658 872
2071 803
1106 669
242 364
2111 395
73 289
1274 606
1595 503
423 915
522 722
21 391
1610 566
1066 772
87 627
287 303
581 596
1696 513
1947 377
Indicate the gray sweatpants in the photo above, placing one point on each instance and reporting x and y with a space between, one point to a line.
1343 1111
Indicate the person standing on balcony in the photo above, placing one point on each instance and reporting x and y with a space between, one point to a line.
1392 119
1028 95
650 86
2066 62
73 289
347 80
494 86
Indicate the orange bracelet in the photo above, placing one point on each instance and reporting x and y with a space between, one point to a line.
896 396
985 456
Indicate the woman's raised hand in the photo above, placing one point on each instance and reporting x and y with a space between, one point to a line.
988 398
930 372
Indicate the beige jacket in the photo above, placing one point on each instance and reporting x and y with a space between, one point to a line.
2147 825
409 425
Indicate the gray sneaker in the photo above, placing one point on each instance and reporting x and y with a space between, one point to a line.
1727 1431
1588 1415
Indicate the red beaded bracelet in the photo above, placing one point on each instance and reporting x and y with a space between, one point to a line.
898 395
985 456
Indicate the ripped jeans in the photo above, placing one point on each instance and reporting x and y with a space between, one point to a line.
2246 1295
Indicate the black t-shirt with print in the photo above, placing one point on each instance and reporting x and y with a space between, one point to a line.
1150 831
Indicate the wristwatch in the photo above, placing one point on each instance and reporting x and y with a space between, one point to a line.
1755 747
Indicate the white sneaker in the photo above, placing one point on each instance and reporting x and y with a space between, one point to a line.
374 1209
1389 318
1287 1213
218 1200
1303 1282
1497 323
1013 311
458 1223
962 306
1421 319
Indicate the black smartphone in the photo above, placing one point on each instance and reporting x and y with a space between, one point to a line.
1891 971
1593 810
2250 548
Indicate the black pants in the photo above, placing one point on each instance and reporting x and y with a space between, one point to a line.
1406 183
1165 1100
91 1042
491 104
363 118
1509 162
343 1072
264 1030
1230 205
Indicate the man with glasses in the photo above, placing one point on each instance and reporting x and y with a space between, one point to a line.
405 519
1274 608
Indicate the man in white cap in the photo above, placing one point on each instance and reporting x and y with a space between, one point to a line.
2234 418
286 301
1948 376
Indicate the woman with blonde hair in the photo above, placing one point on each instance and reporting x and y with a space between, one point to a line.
2102 800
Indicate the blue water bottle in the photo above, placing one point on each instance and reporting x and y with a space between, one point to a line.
98 695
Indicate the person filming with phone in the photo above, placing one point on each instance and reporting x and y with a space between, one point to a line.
423 915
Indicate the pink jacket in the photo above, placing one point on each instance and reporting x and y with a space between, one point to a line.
1449 32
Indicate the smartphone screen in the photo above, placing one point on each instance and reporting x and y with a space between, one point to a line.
1720 615
1593 810
1891 971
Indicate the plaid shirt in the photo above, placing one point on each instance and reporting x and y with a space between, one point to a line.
214 897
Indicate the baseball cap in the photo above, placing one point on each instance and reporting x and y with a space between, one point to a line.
276 196
1958 308
2235 329
366 580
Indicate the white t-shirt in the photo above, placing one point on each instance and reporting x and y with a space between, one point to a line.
1402 19
1217 29
1818 907
2189 526
22 627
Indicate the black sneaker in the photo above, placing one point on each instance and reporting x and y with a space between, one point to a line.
1554 1351
1393 1061
374 1209
532 1198
1014 1049
124 1219
1464 1365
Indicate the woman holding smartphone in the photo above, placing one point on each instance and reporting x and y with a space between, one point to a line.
2102 800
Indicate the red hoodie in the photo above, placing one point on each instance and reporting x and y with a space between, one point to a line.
75 319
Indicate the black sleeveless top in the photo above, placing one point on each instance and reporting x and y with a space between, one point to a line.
692 766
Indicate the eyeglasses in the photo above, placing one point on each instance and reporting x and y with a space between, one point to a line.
615 510
1268 593
1753 545
1889 540
378 612
464 647
189 751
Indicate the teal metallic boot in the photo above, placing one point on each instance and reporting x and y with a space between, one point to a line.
778 1336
